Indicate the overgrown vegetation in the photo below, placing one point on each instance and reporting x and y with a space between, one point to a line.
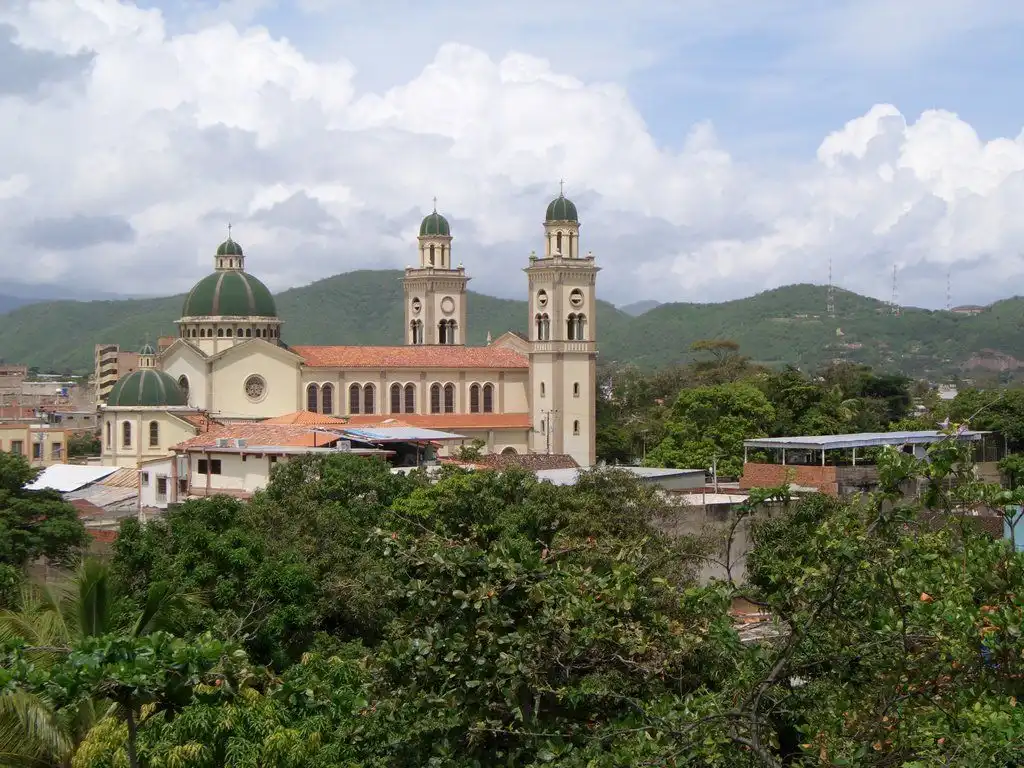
348 616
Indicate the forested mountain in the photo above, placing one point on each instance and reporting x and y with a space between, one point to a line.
784 325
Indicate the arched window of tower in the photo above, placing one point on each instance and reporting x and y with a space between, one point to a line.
431 254
353 398
474 398
312 398
368 399
327 399
558 242
410 398
435 398
396 398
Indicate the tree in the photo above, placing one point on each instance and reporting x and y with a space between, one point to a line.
34 524
713 421
725 363
84 444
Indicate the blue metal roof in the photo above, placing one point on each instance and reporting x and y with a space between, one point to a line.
858 440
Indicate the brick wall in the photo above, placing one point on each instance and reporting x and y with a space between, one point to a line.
771 475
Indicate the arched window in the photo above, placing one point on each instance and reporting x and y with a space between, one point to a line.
327 399
570 327
368 404
229 333
435 398
576 427
109 430
488 398
312 398
543 427
449 398
202 333
581 327
396 398
220 333
353 398
248 333
576 389
183 385
545 327
558 242
126 434
416 332
538 326
474 398
452 326
410 398
442 332
154 434
431 255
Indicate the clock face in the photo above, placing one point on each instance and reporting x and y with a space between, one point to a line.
576 298
542 299
416 306
447 305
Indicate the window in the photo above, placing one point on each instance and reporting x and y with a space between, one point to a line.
56 450
108 435
575 327
161 486
431 255
396 398
154 434
248 333
543 427
220 333
575 389
449 398
327 399
368 404
576 427
416 329
558 242
353 399
126 434
543 389
37 450
17 447
543 327
144 478
239 333
182 486
183 383
211 467
435 398
410 398
488 398
202 333
474 399
312 398
228 333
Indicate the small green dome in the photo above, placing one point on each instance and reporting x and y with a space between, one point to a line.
229 248
146 387
147 349
229 293
435 224
561 209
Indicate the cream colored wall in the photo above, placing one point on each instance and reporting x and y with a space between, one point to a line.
510 387
171 431
183 361
235 474
190 327
27 435
495 441
230 372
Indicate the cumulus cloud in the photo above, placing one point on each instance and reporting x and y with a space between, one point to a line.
132 168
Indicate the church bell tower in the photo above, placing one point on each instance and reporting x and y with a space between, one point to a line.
563 347
435 291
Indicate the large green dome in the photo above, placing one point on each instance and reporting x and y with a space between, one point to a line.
561 209
229 293
146 387
435 224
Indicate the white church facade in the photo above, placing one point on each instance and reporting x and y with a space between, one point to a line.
518 394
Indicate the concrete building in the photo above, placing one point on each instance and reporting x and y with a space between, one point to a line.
110 364
42 444
517 395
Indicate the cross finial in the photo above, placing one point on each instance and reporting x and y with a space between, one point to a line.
229 230
435 203
561 187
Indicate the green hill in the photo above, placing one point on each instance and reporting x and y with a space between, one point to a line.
785 325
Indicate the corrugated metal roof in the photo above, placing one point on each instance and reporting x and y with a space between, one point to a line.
125 477
858 440
69 477
103 496
398 434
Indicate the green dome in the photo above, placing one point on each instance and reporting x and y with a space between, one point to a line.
435 224
561 209
146 387
147 349
229 248
231 293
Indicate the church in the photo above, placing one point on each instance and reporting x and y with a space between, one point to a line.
229 362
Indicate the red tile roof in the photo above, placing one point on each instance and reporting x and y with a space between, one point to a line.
197 419
444 421
259 434
306 418
418 357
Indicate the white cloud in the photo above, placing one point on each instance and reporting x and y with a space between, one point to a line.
177 133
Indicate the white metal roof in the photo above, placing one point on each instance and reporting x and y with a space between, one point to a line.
569 476
69 477
398 434
700 499
857 440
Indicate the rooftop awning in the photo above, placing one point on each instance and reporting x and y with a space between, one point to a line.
857 440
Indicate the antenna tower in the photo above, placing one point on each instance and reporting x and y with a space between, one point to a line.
830 306
894 305
949 291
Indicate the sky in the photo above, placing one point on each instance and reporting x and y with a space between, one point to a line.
714 148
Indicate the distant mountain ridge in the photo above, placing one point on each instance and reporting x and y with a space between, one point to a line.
638 308
786 325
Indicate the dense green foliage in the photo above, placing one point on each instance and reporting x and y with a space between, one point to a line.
782 326
350 617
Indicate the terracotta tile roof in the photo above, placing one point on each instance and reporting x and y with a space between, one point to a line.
197 419
125 477
259 434
444 421
306 418
529 461
418 357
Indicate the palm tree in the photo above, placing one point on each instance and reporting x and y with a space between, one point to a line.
51 620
